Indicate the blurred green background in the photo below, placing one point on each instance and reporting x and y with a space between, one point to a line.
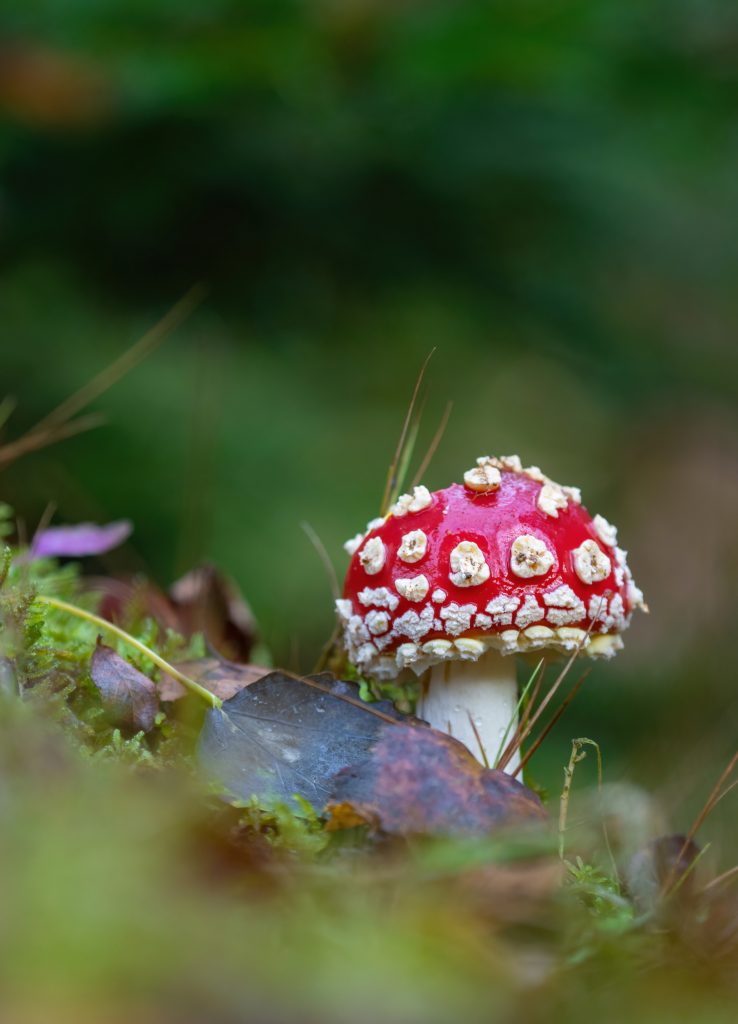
546 192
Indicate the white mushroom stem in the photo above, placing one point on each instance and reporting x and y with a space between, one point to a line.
475 702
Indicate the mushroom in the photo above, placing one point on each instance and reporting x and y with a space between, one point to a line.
450 584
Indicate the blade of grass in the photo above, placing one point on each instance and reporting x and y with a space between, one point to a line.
45 521
525 733
433 446
514 743
541 708
327 650
397 458
109 627
713 799
551 723
478 738
726 876
502 749
126 362
407 454
324 558
32 442
7 408
689 869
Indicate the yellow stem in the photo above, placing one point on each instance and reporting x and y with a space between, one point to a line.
81 613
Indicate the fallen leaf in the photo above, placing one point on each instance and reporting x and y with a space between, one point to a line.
224 679
123 598
285 735
415 781
203 601
79 541
660 865
128 695
208 602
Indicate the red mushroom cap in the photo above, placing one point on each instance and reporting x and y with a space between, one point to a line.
509 560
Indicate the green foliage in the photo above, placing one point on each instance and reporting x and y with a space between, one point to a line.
50 652
543 191
7 520
600 893
298 832
132 828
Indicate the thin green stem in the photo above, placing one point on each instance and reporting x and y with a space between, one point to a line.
514 719
81 613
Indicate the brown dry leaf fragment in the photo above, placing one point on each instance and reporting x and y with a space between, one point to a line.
420 781
127 695
222 678
208 602
123 598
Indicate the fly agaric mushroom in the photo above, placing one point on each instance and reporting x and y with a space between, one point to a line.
452 583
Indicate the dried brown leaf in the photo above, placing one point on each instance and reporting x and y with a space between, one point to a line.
208 602
222 678
421 781
128 696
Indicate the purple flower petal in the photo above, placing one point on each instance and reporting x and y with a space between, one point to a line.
80 540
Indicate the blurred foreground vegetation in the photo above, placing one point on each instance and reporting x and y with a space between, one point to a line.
130 888
546 193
